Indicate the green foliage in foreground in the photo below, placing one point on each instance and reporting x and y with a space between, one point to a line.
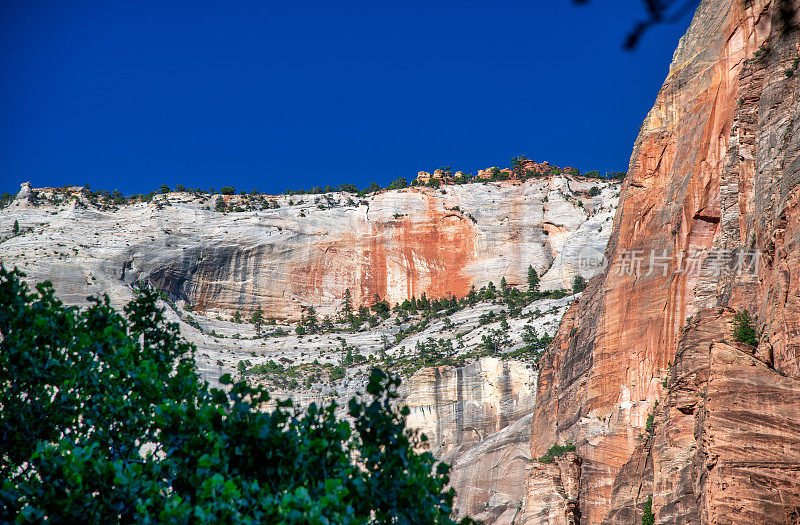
743 329
104 420
555 452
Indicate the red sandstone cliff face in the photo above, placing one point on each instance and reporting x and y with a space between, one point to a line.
715 173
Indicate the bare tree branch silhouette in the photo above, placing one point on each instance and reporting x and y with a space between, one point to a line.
671 11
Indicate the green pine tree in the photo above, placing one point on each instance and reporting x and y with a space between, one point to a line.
533 280
347 305
257 319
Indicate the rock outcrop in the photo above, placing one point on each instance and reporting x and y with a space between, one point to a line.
708 220
726 445
309 249
459 407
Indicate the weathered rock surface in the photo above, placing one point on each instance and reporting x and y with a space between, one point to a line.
477 419
553 492
727 438
456 407
395 243
714 175
305 253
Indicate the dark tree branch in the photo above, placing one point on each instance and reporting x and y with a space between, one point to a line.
671 11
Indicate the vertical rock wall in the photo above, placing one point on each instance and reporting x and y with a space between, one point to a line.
714 174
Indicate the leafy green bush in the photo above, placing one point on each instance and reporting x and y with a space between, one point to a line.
518 165
219 205
555 452
533 280
268 368
486 318
6 199
650 424
227 190
744 331
105 420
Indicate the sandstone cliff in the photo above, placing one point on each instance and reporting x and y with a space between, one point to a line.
714 178
307 251
477 419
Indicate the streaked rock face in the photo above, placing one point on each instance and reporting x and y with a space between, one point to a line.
395 244
457 407
477 419
716 169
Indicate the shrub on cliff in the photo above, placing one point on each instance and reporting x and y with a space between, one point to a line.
227 190
220 205
648 518
372 188
397 184
380 306
533 280
105 420
743 329
578 284
257 319
518 165
6 199
556 451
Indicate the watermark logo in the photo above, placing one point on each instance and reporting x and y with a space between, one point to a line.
663 263
591 260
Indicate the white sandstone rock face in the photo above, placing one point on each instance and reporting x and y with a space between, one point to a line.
458 407
310 249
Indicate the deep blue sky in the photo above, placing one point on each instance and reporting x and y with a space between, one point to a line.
129 95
